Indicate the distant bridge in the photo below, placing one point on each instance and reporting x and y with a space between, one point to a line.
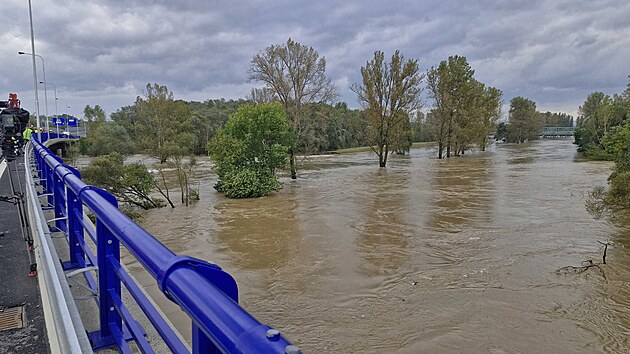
557 131
59 145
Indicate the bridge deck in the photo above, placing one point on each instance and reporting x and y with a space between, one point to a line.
17 288
558 131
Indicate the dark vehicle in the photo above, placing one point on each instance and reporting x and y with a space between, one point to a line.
13 120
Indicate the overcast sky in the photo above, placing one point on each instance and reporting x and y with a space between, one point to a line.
105 51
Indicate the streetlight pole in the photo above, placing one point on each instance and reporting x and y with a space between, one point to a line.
30 14
68 116
55 87
66 107
66 110
44 82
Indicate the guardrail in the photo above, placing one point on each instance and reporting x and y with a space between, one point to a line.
203 290
52 135
66 333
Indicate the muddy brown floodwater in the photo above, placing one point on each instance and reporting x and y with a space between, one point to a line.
425 255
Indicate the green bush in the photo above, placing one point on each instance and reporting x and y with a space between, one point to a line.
129 183
247 183
248 150
616 200
619 192
594 152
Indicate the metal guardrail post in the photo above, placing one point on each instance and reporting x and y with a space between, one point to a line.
39 164
59 202
50 180
75 229
48 172
200 342
66 332
111 328
42 167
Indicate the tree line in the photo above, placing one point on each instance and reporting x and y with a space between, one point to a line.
463 112
603 133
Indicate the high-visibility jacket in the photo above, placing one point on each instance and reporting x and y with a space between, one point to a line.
27 133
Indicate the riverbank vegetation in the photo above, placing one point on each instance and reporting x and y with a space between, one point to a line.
603 133
129 183
461 114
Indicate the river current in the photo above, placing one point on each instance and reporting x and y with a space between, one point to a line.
426 255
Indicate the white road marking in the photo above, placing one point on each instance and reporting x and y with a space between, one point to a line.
3 166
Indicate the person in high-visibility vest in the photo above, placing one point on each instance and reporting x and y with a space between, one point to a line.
27 133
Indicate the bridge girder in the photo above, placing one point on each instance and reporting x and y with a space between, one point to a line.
558 131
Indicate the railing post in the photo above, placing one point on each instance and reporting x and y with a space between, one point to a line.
39 165
75 228
48 174
59 203
201 344
107 245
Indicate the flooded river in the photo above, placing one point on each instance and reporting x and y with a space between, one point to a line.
426 255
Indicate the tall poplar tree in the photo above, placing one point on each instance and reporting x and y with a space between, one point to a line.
465 110
490 114
297 75
525 123
449 84
389 92
161 120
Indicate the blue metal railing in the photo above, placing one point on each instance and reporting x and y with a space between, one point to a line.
52 135
203 290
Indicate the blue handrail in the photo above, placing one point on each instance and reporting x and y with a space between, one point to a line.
203 290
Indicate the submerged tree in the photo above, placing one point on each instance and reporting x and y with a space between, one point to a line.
160 120
603 132
593 122
297 75
180 158
490 114
525 123
389 92
249 149
465 110
130 183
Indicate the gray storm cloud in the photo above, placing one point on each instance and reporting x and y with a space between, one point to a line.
104 52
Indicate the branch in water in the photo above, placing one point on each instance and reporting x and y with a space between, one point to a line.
606 244
586 265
